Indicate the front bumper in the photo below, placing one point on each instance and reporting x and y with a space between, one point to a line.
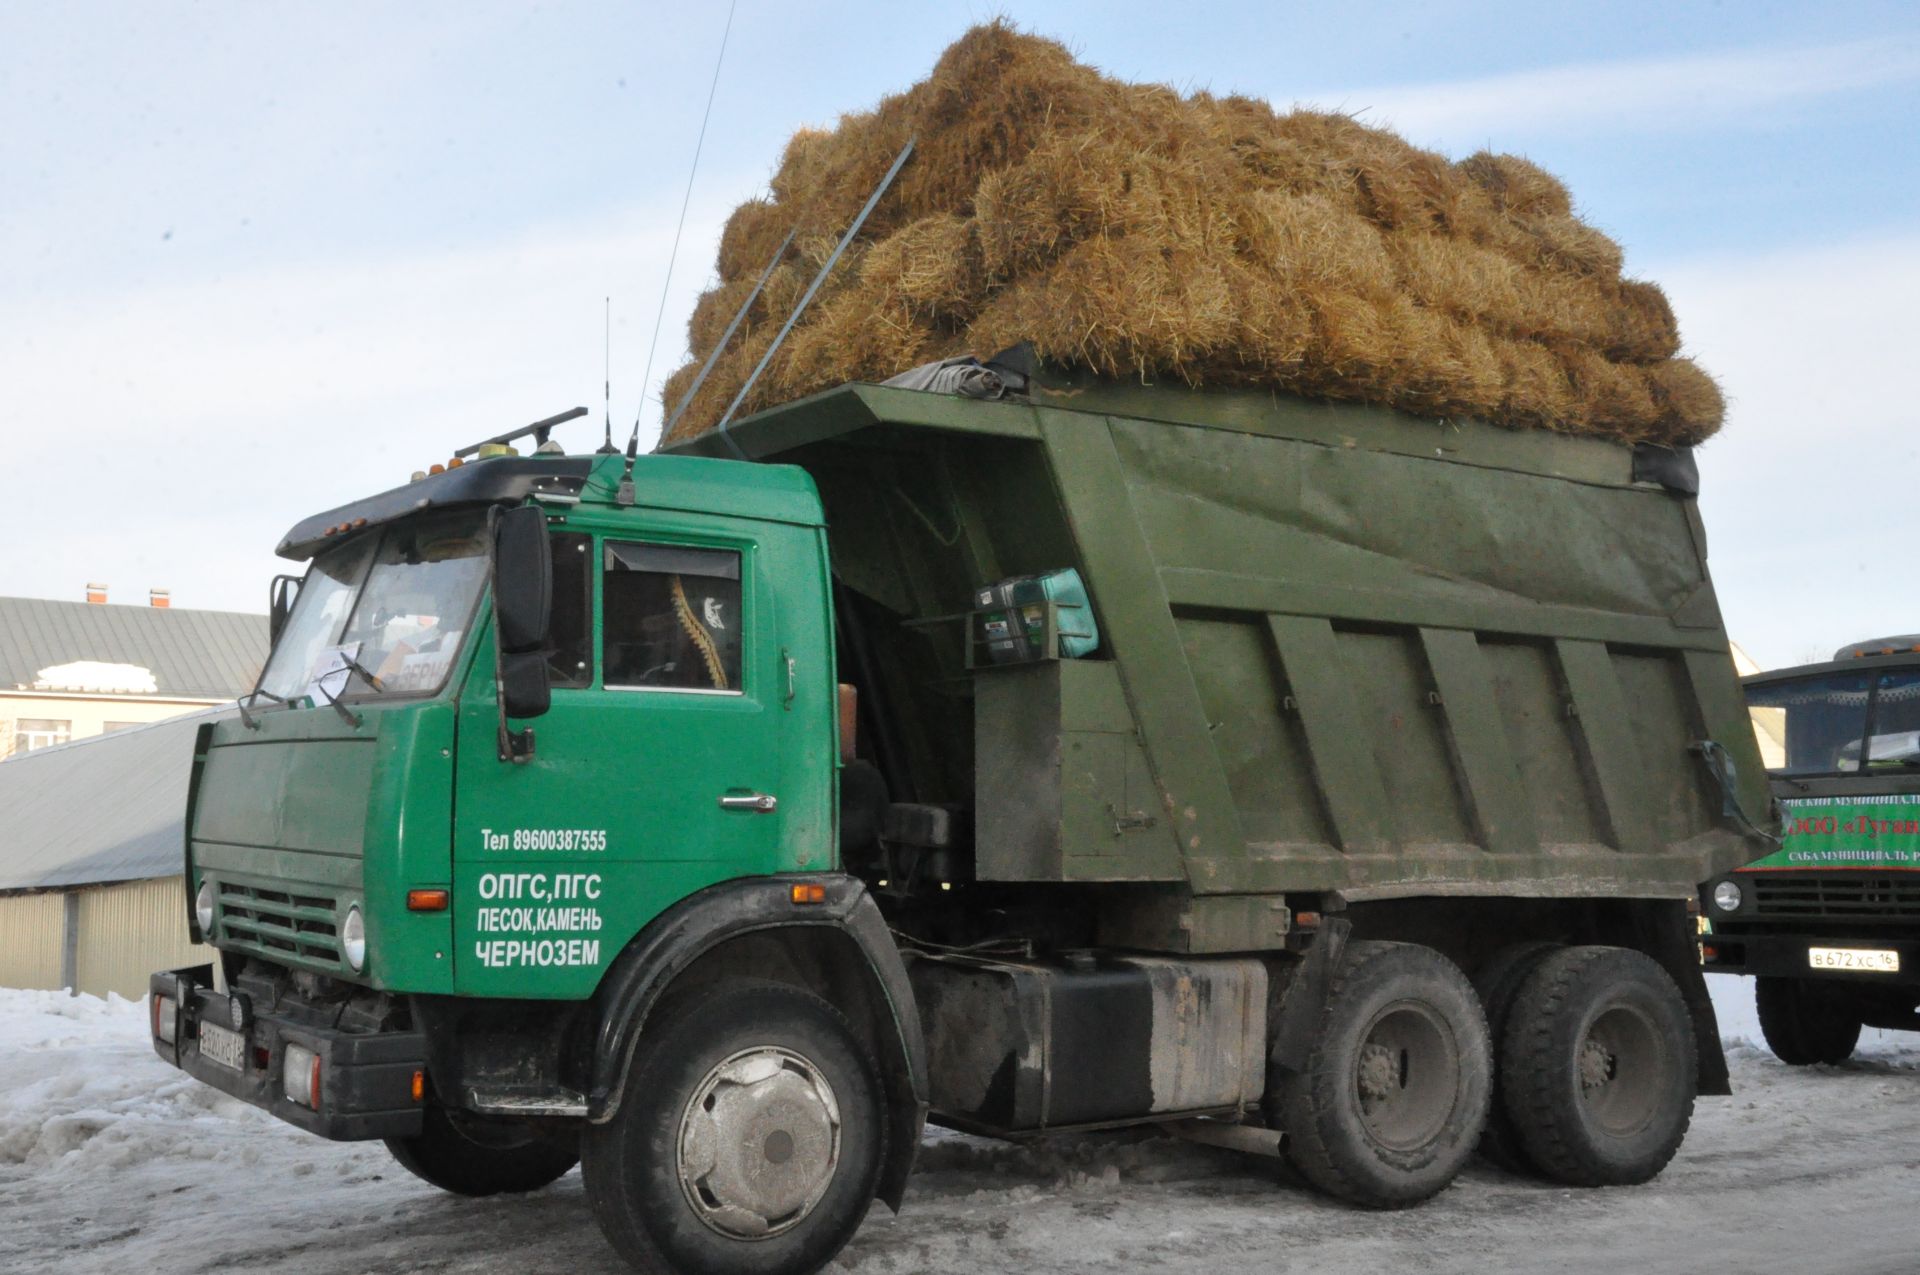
1785 956
366 1078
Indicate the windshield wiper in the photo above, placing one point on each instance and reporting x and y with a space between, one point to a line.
247 718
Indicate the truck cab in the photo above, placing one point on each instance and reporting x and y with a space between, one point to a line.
1828 922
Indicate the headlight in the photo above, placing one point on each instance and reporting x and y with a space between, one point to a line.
1727 896
203 910
353 939
300 1076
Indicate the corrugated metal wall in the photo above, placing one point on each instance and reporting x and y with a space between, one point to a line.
31 929
124 933
129 931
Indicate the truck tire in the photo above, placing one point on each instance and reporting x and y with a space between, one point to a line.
748 1137
1599 1058
1802 1024
470 1156
1395 1091
1498 982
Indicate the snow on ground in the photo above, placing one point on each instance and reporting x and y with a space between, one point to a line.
111 1161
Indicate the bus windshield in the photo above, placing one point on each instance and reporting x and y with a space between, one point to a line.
397 604
1838 723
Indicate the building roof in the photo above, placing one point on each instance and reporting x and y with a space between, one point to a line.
191 654
108 808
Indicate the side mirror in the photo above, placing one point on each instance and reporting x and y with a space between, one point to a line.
522 613
280 598
522 579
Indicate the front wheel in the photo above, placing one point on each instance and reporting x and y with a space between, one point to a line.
1804 1022
747 1138
1394 1095
468 1155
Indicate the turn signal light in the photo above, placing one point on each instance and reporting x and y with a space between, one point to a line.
426 900
419 1085
809 892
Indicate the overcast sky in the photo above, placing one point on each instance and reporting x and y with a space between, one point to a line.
258 259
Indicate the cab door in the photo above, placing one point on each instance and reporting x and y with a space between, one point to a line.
663 766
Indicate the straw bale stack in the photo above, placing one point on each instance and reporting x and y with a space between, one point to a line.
1209 240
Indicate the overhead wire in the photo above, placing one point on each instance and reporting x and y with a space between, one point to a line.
673 255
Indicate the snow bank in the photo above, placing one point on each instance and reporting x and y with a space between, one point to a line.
111 1161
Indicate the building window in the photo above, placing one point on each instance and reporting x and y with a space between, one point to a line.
671 618
30 733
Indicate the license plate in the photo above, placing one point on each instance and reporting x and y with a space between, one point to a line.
1867 960
227 1048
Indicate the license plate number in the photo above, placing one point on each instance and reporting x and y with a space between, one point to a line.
217 1044
1864 959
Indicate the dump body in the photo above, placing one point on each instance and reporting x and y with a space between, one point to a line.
1344 651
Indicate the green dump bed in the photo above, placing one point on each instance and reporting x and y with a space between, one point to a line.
1343 650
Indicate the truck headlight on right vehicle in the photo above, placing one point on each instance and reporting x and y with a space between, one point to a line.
1727 896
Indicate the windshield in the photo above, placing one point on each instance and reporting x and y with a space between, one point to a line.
1825 725
398 605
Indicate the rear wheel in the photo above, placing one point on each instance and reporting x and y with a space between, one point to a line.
1498 982
1804 1021
1395 1091
468 1155
1599 1058
747 1139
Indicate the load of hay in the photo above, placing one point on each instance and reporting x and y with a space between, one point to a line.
1139 233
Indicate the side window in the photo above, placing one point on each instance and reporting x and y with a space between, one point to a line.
571 633
671 617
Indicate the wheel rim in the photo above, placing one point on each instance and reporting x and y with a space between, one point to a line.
1619 1068
1406 1074
759 1143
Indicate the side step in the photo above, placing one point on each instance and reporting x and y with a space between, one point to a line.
514 1102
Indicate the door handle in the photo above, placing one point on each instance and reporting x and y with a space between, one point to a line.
764 803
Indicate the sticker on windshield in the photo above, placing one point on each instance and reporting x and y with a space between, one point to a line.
328 680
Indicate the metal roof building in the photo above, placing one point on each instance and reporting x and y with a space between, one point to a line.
90 864
192 654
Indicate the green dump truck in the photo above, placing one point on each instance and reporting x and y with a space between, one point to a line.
1828 922
1297 776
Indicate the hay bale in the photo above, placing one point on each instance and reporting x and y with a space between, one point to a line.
1211 240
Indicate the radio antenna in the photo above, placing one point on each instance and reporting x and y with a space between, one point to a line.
606 447
646 379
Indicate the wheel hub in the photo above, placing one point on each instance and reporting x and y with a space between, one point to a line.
1379 1074
759 1142
1597 1065
1405 1075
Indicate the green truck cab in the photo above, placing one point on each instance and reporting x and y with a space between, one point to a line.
1311 779
1828 922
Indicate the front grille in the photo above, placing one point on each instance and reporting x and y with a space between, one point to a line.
1836 896
280 924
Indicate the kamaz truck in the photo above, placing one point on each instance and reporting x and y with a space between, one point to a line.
1828 922
1306 778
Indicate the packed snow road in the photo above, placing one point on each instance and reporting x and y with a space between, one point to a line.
112 1162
